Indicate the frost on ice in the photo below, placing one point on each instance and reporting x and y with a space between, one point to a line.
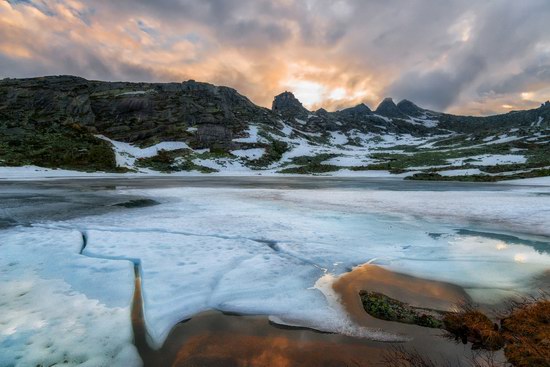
58 307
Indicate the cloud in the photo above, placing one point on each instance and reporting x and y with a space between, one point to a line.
451 55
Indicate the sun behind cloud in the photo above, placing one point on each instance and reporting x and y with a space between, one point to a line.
454 57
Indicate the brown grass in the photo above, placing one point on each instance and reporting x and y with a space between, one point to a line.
470 325
526 331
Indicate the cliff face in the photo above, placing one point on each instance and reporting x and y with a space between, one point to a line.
289 106
143 113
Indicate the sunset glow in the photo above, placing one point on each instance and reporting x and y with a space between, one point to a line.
331 54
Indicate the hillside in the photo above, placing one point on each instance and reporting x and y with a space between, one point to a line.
72 123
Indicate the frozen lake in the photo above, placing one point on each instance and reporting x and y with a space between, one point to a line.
266 246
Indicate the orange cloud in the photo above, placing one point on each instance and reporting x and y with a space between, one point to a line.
331 54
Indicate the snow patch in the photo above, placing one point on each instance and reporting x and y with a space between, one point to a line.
126 154
249 153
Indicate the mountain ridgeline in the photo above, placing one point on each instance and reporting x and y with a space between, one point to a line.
67 121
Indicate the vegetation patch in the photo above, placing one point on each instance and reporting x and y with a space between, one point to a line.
273 153
470 325
67 148
434 176
311 164
526 331
172 161
383 307
523 330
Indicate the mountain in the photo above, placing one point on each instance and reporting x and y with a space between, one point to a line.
70 122
357 111
408 108
286 105
388 108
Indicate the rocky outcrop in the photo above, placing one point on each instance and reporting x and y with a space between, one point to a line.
141 113
288 106
410 109
388 108
216 137
357 111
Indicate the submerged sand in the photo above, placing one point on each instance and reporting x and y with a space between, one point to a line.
217 339
415 291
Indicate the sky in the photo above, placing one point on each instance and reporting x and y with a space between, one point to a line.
459 56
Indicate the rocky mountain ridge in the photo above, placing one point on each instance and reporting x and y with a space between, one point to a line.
70 122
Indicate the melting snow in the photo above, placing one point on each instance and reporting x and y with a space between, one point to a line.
126 154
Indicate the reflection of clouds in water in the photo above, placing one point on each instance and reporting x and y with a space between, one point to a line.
482 246
501 246
520 258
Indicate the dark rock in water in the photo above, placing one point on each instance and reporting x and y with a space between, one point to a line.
138 203
388 108
7 223
289 106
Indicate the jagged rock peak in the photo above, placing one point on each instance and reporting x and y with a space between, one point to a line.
284 100
409 108
388 108
321 112
288 105
360 109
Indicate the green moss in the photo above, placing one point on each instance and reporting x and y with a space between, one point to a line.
273 153
64 147
172 161
383 307
311 164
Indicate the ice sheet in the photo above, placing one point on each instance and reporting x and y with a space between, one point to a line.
59 307
263 251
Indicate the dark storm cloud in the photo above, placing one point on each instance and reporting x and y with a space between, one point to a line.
532 75
442 54
504 33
